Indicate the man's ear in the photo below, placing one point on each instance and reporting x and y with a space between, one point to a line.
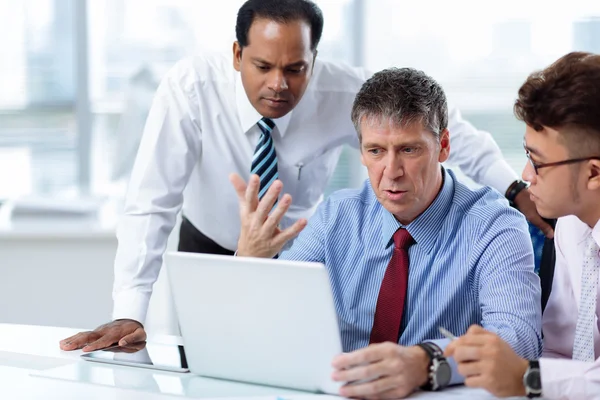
594 175
237 56
444 145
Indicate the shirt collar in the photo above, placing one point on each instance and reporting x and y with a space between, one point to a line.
248 114
421 228
595 232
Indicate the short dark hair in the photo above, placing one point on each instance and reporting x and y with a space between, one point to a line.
565 96
282 11
404 96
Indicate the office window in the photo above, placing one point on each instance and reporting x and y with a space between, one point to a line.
481 52
38 135
134 42
44 143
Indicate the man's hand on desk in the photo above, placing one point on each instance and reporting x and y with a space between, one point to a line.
260 235
122 331
381 371
488 362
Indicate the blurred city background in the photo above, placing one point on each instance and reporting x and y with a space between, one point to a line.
77 77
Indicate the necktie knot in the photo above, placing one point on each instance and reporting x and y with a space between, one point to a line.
593 250
266 125
402 239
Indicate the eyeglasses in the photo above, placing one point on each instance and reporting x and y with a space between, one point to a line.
537 166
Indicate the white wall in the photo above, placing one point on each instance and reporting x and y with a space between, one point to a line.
63 277
57 281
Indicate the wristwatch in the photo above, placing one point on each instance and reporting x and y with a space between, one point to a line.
532 380
514 189
439 369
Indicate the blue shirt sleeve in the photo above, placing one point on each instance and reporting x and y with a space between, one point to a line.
509 289
310 243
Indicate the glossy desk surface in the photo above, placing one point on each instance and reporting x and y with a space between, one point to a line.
33 367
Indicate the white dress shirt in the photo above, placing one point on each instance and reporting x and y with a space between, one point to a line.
202 127
562 377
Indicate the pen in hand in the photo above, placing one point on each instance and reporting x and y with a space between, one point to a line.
447 333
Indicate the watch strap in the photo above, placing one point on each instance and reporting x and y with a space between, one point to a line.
434 353
514 189
534 366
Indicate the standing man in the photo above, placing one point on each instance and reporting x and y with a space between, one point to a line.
272 109
561 107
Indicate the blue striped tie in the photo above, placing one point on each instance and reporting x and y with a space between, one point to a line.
264 162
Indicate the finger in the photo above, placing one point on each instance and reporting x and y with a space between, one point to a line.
451 348
284 236
103 342
370 389
251 194
477 381
475 330
266 203
67 341
465 354
479 340
475 336
239 185
360 372
240 188
470 369
130 348
79 340
274 218
139 335
367 355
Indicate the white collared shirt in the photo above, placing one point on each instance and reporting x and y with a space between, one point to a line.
202 127
561 376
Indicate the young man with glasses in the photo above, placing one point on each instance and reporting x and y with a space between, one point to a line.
561 107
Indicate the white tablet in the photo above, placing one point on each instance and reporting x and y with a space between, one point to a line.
166 357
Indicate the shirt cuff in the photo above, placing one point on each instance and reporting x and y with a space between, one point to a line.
456 377
131 304
563 378
500 176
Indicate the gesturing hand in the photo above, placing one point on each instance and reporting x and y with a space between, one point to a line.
260 235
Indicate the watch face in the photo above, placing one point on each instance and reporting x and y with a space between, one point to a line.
443 374
533 380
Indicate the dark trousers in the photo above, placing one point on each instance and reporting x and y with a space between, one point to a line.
191 240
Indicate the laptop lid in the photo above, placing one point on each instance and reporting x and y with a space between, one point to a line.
264 321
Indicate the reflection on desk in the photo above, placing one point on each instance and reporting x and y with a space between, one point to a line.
188 385
158 381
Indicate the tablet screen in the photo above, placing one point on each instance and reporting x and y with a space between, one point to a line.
147 355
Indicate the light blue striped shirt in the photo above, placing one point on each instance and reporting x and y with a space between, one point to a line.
471 263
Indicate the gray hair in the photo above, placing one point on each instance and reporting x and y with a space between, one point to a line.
402 96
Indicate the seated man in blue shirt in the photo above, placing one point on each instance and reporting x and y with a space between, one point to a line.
412 250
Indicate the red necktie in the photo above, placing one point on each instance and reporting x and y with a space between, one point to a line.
390 303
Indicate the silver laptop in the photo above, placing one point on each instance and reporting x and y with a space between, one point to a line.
263 321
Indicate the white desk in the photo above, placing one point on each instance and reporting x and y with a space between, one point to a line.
28 350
